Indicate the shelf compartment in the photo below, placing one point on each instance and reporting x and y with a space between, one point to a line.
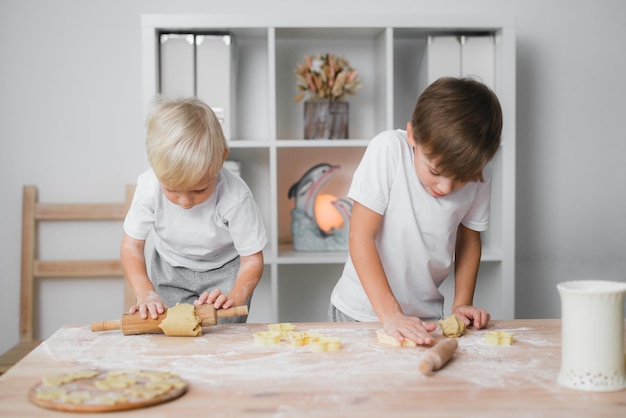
361 47
294 162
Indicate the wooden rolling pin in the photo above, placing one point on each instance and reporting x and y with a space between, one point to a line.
133 324
438 356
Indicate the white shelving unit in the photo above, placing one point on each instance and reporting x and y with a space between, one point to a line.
391 54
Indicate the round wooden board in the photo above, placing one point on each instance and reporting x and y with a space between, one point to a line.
92 406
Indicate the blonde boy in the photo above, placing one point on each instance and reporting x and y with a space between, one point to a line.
208 231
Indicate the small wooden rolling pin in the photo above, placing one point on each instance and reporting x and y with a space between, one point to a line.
438 356
133 324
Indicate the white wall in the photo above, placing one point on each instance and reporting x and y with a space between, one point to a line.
571 197
71 122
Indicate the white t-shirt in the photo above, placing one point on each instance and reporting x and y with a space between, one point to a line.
417 236
205 237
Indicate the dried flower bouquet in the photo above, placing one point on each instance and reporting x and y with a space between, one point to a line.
326 77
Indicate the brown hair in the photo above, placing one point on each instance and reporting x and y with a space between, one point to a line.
458 123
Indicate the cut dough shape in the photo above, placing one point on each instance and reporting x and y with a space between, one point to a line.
77 397
321 344
110 399
115 381
385 338
318 342
182 321
266 337
298 339
53 393
284 328
58 380
499 338
452 327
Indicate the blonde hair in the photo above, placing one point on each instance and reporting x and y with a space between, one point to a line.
184 141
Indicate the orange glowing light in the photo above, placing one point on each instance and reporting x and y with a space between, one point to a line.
327 216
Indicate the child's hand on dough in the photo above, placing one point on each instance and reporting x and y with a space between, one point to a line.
401 326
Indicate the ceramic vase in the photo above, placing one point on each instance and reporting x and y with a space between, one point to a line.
592 326
326 119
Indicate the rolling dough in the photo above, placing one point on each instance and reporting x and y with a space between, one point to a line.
182 321
452 326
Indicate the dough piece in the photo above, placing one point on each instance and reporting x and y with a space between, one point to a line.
76 397
321 344
385 338
182 321
499 338
50 394
266 337
110 399
284 328
157 384
69 377
298 339
452 326
115 381
159 377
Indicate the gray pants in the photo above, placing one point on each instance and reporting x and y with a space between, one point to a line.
181 285
335 315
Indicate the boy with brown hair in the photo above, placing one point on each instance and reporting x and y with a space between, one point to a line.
421 198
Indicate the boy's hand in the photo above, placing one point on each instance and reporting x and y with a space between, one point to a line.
472 315
151 303
401 326
215 298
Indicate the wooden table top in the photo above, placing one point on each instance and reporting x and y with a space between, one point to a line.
230 376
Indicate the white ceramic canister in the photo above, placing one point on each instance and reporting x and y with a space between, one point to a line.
592 335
